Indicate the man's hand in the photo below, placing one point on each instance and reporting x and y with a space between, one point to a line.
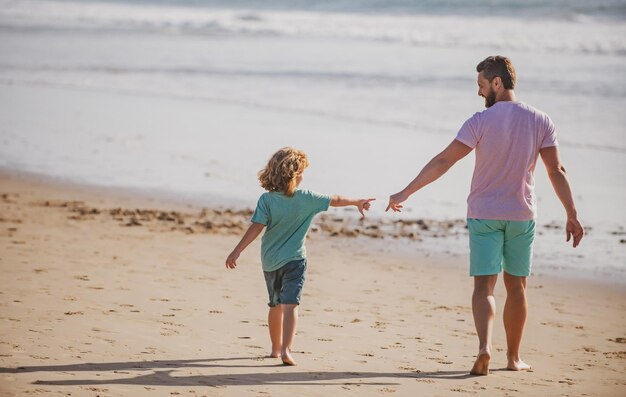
364 205
395 200
231 261
573 228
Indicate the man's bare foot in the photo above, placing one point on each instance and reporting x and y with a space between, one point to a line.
517 365
481 365
287 359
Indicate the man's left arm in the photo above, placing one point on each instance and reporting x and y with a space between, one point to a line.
558 177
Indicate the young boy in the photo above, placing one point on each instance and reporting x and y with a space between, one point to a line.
286 212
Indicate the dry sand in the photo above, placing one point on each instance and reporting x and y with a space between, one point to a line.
101 299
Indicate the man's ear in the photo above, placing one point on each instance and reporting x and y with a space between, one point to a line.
497 82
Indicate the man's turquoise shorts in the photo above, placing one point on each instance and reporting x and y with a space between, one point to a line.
500 245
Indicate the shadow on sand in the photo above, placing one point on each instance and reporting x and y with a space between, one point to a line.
161 374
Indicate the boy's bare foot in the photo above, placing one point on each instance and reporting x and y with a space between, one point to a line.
481 366
287 359
517 365
275 354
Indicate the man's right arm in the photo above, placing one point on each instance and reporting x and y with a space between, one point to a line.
439 165
558 177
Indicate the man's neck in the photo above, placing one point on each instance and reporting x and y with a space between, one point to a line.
506 96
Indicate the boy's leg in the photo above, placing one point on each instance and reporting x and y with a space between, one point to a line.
484 310
290 321
275 323
275 315
292 281
515 311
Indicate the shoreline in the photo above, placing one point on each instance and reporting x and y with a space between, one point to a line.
407 235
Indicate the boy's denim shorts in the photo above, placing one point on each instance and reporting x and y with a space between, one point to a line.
500 245
284 285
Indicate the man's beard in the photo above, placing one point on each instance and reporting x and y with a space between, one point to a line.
490 99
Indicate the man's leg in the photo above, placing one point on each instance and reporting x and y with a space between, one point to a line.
515 311
275 324
484 310
290 321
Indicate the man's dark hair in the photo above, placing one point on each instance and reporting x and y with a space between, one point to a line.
498 66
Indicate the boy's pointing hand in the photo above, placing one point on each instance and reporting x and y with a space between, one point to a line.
364 205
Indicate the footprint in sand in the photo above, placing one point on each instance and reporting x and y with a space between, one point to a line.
379 325
589 349
506 389
39 357
553 324
38 391
171 324
463 391
618 355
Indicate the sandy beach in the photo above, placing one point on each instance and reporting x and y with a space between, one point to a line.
114 294
131 134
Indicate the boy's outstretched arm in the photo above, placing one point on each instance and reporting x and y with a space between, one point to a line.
435 168
558 177
360 204
253 232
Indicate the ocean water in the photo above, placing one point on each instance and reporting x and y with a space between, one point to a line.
191 97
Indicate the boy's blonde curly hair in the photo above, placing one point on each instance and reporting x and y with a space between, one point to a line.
281 171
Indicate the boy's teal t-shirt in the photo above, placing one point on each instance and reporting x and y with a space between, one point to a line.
287 220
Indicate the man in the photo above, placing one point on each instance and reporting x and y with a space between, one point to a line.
508 137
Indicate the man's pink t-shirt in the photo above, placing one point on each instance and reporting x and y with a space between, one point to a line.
507 138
